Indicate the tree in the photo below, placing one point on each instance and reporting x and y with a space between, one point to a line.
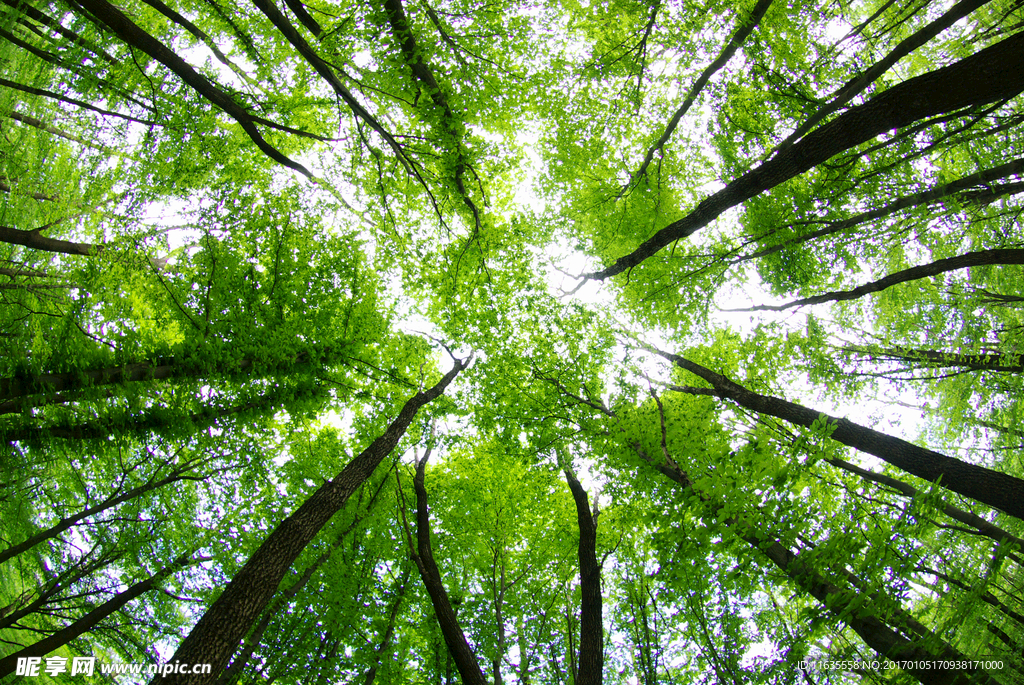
248 251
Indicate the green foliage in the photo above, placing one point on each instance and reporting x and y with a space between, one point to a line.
216 337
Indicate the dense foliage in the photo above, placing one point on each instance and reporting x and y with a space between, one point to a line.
576 342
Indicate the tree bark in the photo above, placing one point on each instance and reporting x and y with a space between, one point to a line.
940 266
217 634
993 74
993 488
591 661
454 638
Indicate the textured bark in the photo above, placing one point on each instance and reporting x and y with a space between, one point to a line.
939 266
217 634
591 661
89 621
255 636
995 489
454 638
843 603
993 74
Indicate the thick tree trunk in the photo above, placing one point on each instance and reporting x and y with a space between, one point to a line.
89 621
995 73
591 662
255 636
454 638
995 489
217 634
940 266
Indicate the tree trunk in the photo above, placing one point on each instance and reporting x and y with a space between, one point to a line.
993 74
975 187
217 634
845 604
89 621
940 266
993 488
105 14
109 503
985 528
454 638
36 241
1008 363
591 661
384 648
908 45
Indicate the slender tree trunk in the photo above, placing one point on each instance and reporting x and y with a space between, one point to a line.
993 488
78 571
384 648
993 74
985 528
90 620
106 15
1009 363
747 23
975 187
591 662
454 638
217 634
940 266
862 81
109 503
846 605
